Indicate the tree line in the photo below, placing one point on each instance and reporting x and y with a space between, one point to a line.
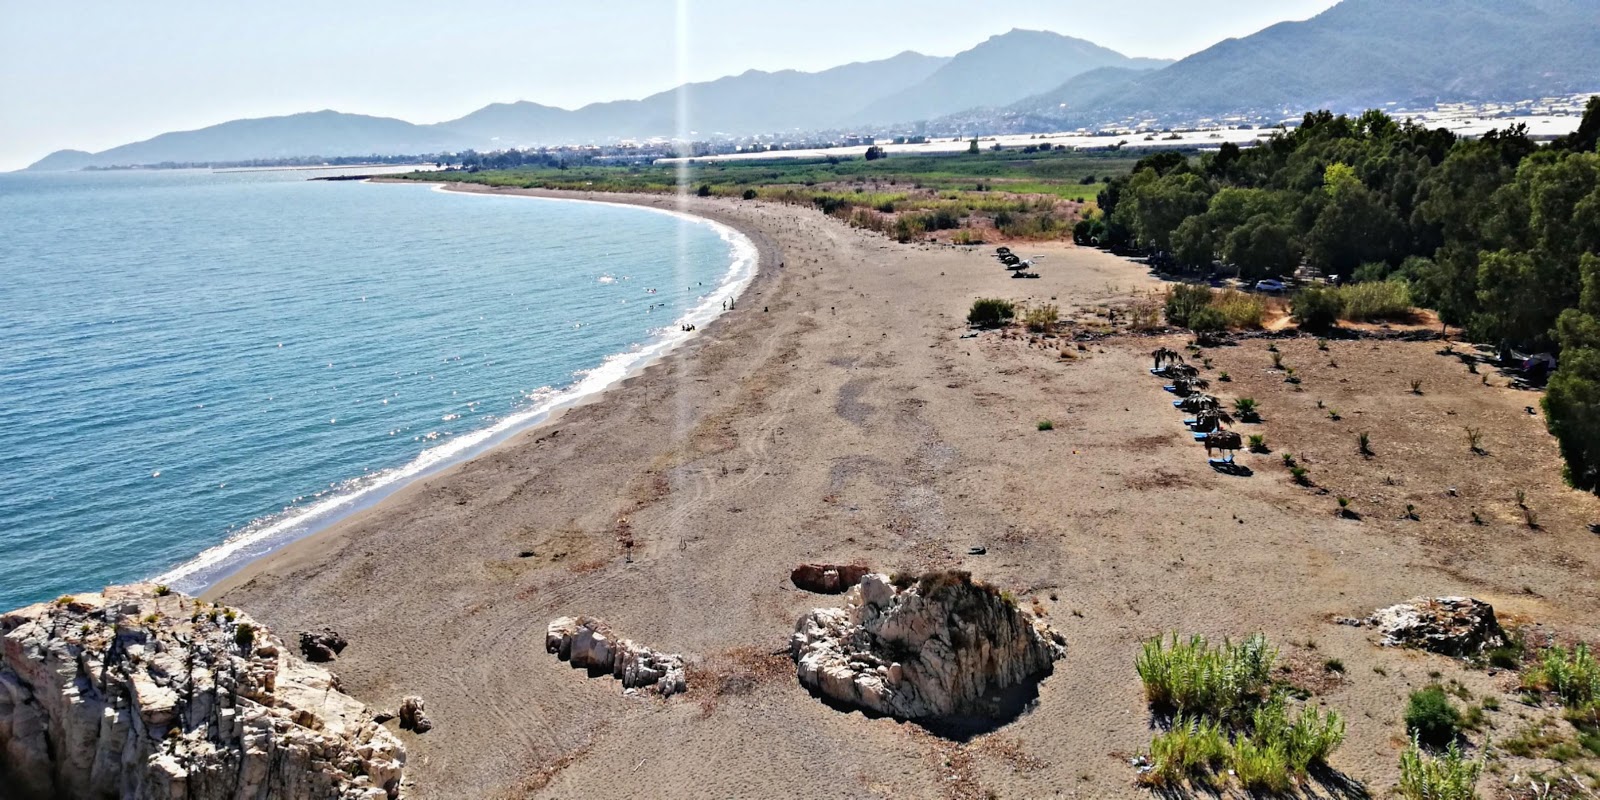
1498 234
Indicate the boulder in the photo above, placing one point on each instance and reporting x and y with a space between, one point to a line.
139 692
412 716
588 643
1453 626
322 646
827 578
938 647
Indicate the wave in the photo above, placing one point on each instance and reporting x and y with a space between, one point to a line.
269 533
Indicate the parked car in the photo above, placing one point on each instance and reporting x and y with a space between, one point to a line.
1269 285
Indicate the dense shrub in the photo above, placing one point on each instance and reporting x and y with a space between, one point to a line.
749 194
1316 308
1432 718
1183 300
990 312
1207 319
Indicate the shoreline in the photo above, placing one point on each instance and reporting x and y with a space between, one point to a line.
345 509
845 414
212 568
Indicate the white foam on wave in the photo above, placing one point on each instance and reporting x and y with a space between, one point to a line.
270 533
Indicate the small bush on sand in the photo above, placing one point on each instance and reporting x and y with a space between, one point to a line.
1041 319
1431 718
750 194
244 635
1195 677
990 312
1449 776
1046 425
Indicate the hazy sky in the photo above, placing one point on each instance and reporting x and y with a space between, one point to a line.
93 75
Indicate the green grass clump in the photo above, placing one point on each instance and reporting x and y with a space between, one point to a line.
1448 776
1374 300
1573 676
1431 718
1228 715
1305 741
1195 677
991 312
1041 319
1192 748
1240 309
1046 425
1261 766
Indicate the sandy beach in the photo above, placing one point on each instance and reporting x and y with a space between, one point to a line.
839 415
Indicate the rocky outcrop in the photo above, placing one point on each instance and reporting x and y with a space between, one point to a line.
1453 626
142 693
828 578
937 647
588 643
320 647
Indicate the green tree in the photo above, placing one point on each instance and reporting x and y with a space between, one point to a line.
1572 399
972 149
1262 248
1354 227
1192 244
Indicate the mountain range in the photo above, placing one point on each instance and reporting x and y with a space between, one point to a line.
1357 54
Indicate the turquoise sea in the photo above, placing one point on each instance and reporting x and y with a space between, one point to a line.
197 367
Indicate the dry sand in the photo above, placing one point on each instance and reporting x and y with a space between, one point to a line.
839 416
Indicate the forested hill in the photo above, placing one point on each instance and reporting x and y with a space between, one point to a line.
1369 53
1498 234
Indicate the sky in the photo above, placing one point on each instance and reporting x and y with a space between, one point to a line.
93 75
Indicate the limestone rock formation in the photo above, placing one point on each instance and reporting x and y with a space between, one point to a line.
1453 626
588 643
320 647
827 578
940 647
139 693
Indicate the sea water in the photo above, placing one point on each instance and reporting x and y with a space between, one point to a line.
197 367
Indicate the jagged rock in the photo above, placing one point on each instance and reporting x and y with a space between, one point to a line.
141 693
588 643
322 646
827 578
1454 626
942 646
412 716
